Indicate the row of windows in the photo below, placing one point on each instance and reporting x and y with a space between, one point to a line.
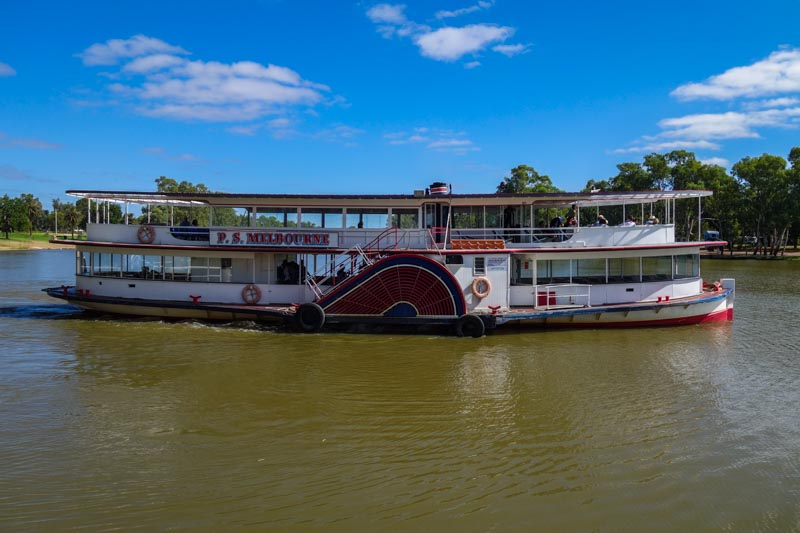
602 270
155 267
315 217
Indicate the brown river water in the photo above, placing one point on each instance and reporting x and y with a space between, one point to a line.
110 424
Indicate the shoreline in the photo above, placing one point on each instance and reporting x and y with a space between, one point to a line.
22 246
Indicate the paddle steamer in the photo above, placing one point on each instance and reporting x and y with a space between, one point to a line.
469 262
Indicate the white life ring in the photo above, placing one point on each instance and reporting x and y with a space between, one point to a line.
146 234
251 294
481 287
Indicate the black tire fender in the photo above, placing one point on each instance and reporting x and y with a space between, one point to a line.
309 317
470 326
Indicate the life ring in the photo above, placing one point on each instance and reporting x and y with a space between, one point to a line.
481 287
251 294
309 317
470 326
146 234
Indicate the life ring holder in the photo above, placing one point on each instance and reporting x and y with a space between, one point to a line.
146 234
251 294
481 287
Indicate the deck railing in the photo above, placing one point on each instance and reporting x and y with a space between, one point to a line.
562 295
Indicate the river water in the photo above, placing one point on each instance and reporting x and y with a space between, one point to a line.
141 425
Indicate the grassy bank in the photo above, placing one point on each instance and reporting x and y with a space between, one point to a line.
23 241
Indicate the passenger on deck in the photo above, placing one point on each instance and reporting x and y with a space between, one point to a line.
652 220
283 273
571 221
194 222
601 221
341 274
185 222
629 221
557 222
294 272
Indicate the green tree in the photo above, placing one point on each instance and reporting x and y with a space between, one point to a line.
768 193
33 209
162 214
71 216
525 179
8 209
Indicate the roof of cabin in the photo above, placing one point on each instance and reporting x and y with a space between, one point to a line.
557 199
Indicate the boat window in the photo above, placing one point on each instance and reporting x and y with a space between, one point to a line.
521 270
106 265
82 263
316 217
235 217
552 271
153 269
454 260
494 217
276 217
405 218
623 270
367 218
467 217
479 266
206 269
589 271
687 266
657 268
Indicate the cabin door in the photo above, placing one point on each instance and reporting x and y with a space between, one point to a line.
437 219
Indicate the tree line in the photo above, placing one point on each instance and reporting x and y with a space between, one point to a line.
757 201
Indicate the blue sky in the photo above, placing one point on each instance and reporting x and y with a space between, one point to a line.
352 97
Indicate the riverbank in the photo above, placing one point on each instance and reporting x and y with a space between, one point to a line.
39 242
791 254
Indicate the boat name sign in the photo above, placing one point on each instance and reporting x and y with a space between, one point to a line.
288 239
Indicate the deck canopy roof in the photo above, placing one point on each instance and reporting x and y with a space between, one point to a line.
543 200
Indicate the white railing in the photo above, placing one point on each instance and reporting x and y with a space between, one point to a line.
419 238
563 295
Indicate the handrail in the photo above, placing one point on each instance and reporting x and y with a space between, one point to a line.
562 295
368 256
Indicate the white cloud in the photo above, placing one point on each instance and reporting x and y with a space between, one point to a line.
158 82
719 161
29 143
111 51
773 102
730 125
447 43
778 73
387 14
511 50
472 64
749 110
669 146
463 11
340 134
145 64
6 70
12 173
450 44
158 151
439 140
247 130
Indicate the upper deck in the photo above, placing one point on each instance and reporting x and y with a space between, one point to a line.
420 221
